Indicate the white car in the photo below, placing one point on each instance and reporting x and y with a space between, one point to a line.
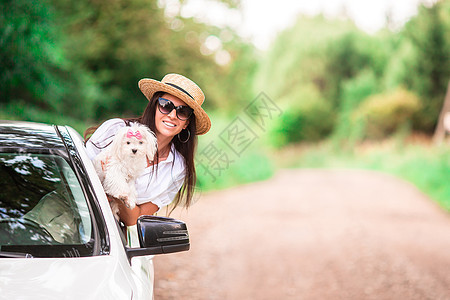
58 236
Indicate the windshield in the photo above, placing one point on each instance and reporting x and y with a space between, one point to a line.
43 211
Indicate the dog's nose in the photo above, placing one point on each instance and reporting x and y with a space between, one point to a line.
134 151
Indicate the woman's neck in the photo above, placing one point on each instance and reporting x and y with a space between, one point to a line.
164 148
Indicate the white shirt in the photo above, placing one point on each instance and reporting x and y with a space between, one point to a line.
158 186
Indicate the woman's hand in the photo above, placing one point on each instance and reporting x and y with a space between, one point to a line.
111 198
104 164
129 216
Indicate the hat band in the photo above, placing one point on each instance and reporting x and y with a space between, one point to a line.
181 89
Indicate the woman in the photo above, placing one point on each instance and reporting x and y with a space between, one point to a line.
175 115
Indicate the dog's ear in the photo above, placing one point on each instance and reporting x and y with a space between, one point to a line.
151 142
116 145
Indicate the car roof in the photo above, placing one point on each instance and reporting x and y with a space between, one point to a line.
29 135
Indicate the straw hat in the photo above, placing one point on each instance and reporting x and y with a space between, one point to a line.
183 88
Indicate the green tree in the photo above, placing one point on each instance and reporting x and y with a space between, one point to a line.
37 81
26 52
308 68
429 68
347 57
116 42
122 41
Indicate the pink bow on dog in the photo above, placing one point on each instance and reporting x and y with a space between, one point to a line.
137 134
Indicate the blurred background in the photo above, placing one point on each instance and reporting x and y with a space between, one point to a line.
353 84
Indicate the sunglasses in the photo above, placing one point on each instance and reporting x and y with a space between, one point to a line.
165 106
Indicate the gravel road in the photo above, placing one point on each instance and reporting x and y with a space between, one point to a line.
312 234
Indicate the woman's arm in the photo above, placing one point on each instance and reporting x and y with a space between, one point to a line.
164 188
129 216
102 137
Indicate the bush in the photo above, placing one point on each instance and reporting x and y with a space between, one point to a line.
354 92
384 114
308 117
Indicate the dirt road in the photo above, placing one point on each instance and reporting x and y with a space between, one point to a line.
312 234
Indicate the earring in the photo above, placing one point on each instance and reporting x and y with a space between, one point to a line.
188 136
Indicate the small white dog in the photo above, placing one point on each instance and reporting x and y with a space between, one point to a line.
123 162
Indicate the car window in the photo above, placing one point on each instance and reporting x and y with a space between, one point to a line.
42 206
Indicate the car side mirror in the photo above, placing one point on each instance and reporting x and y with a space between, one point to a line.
160 235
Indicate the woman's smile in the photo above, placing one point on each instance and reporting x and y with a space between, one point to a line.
168 125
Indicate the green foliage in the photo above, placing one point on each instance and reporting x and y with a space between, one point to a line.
22 112
26 52
398 67
346 57
346 65
428 169
384 114
84 58
307 118
229 169
429 67
114 42
236 85
123 41
354 92
226 86
298 57
339 63
34 71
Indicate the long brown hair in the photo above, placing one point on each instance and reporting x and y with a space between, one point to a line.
185 148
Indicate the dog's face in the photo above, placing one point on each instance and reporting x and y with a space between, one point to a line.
135 141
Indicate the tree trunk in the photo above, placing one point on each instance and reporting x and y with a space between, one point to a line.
439 133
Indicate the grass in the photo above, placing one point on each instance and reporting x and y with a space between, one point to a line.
228 157
425 165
